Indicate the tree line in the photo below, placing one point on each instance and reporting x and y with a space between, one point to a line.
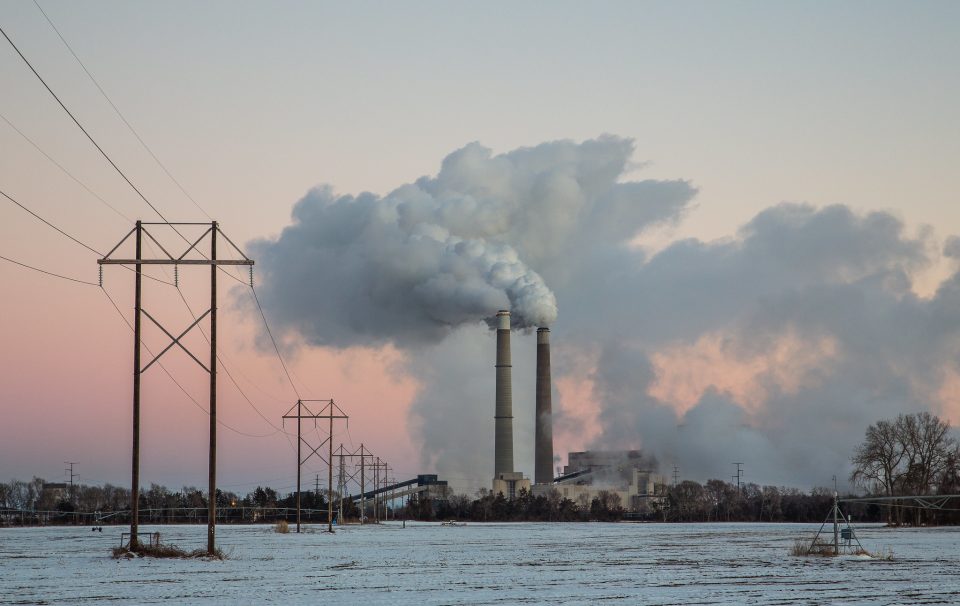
914 454
39 501
687 501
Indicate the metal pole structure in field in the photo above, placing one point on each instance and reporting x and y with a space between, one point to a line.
135 479
836 524
188 257
377 484
299 442
345 478
330 475
212 499
341 487
363 487
330 411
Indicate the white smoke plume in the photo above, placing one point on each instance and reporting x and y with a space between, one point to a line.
442 252
776 346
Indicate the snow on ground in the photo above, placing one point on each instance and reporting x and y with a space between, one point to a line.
482 564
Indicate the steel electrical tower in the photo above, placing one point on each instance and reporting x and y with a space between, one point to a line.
188 257
330 411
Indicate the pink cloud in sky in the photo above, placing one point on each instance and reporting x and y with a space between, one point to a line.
686 371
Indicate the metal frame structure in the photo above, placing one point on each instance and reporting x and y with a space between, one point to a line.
329 411
363 453
927 501
138 231
848 534
935 502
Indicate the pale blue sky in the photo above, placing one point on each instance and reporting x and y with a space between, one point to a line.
755 102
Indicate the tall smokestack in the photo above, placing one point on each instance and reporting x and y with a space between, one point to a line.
503 416
543 463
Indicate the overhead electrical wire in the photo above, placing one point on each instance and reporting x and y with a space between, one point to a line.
81 127
152 154
62 169
93 250
274 341
134 187
110 160
64 233
49 273
117 110
49 224
94 142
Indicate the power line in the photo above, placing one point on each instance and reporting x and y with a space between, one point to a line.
80 126
225 369
49 273
64 170
272 340
49 224
122 174
150 151
118 112
100 149
62 232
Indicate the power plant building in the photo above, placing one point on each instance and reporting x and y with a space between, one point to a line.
629 474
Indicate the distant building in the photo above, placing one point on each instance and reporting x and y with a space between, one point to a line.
629 474
510 484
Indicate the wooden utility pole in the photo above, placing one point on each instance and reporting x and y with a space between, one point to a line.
212 469
330 411
299 443
346 479
341 487
188 257
135 480
330 475
363 487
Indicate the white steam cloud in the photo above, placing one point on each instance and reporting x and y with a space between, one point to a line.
447 251
795 333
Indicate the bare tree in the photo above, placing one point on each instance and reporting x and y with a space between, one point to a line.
876 462
928 446
910 455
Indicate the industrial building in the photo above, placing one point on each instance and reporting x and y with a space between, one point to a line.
629 474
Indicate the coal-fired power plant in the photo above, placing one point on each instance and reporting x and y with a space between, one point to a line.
503 440
505 479
543 454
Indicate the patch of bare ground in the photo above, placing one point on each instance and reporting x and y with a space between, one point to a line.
820 548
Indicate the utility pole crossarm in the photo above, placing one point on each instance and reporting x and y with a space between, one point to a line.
169 259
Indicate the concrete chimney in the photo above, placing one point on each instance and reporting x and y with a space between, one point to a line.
543 459
503 415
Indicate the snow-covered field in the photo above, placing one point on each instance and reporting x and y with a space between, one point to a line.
482 564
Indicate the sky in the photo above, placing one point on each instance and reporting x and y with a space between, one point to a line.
794 162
